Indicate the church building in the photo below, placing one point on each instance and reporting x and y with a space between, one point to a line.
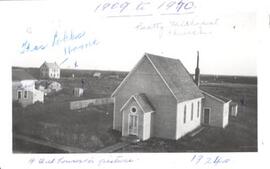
159 98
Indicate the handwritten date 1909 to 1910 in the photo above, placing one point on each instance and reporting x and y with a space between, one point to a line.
162 7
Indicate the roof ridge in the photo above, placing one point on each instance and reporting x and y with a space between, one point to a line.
219 97
161 56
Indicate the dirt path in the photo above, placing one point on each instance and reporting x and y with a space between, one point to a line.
48 144
113 148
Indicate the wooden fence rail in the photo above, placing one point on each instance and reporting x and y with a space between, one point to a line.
85 103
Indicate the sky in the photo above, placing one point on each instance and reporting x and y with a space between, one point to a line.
110 35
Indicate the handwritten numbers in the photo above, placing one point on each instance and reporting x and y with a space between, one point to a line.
176 6
197 159
119 7
133 8
200 159
32 160
208 160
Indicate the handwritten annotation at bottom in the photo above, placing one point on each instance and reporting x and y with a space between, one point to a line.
209 160
81 161
196 159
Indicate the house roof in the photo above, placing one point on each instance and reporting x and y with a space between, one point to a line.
142 101
20 74
174 75
46 83
233 103
51 65
217 97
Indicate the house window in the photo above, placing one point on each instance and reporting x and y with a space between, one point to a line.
185 113
191 118
198 109
25 94
19 94
133 109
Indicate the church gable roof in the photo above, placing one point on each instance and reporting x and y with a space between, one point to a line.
177 77
174 75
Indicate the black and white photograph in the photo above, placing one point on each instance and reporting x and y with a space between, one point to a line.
124 83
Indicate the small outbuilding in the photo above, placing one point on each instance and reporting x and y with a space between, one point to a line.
78 92
48 86
23 88
55 86
97 75
215 110
233 109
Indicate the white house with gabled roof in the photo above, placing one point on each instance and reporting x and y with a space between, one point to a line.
49 70
23 88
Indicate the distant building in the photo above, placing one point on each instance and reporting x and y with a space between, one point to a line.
97 75
233 109
78 92
50 70
48 86
23 88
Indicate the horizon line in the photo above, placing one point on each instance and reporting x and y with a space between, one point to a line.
78 69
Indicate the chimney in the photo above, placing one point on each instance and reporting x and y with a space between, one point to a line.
197 71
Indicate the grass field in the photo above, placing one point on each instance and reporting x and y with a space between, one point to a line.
91 128
88 129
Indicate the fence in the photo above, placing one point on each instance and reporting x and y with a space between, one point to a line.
85 103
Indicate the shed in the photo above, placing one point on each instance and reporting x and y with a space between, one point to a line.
97 74
215 110
233 109
23 88
48 86
78 92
